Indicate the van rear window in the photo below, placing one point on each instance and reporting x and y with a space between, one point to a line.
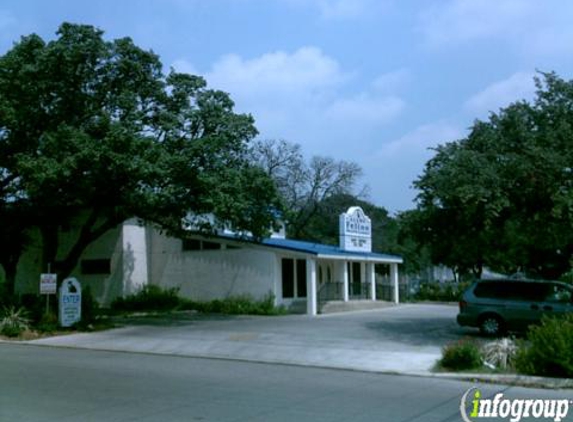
512 290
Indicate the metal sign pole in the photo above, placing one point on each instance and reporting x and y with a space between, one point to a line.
48 295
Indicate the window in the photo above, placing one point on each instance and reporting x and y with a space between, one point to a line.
288 277
191 245
210 245
95 266
301 277
558 294
199 245
293 278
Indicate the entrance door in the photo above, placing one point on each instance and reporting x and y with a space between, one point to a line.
355 279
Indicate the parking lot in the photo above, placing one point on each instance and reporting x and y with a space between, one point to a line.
405 339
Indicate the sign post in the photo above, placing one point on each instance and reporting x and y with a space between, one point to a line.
70 302
48 286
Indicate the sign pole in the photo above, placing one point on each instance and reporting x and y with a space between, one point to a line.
48 296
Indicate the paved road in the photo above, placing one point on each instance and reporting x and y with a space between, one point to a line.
404 339
43 384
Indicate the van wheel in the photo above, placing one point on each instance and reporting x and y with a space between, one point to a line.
491 325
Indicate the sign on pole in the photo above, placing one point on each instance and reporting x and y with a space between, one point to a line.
70 302
48 284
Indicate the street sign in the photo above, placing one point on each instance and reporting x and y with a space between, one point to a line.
48 284
70 302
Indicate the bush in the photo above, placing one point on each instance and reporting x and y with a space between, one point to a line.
549 349
48 323
441 292
461 355
237 305
14 321
149 298
89 307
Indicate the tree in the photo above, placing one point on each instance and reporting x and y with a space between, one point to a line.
303 186
92 131
502 196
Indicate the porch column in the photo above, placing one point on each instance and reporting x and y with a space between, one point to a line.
311 308
344 281
372 278
394 281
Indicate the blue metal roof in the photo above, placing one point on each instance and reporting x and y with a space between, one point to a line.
320 249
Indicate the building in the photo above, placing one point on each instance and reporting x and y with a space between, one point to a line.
299 275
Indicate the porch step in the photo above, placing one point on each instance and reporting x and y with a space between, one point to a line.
334 306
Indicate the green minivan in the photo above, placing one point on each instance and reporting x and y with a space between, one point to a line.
498 306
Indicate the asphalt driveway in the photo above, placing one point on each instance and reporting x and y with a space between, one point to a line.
404 339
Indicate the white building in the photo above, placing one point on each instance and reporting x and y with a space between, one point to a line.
298 274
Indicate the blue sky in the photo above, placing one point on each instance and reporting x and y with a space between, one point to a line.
378 82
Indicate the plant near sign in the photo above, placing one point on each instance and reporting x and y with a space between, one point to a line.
14 322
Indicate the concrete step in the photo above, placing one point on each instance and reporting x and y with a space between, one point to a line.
335 306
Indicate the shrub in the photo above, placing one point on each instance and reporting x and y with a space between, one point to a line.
14 321
237 305
149 298
48 323
461 355
89 306
549 349
442 292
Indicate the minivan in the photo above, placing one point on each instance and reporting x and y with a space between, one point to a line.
497 306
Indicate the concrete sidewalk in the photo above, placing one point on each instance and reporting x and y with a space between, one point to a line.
342 341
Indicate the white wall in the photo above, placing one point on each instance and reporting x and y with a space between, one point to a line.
211 274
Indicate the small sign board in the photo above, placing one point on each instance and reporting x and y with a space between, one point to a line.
70 302
48 284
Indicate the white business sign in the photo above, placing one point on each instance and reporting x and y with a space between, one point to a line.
48 284
70 302
355 231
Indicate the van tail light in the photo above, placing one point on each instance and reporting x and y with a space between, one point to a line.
463 304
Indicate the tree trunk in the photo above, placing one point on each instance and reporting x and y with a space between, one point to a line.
10 273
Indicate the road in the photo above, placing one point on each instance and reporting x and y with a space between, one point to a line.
45 384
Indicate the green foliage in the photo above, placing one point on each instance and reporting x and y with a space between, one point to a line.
503 196
549 349
48 323
13 321
237 305
461 355
150 298
441 292
93 133
567 277
89 307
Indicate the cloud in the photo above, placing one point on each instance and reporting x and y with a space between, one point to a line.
420 140
392 169
307 71
342 9
304 96
518 86
530 26
366 108
392 81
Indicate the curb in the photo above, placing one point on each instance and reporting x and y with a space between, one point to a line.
511 380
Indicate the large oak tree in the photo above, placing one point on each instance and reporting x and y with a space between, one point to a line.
93 132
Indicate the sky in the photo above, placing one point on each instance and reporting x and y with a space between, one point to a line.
376 82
